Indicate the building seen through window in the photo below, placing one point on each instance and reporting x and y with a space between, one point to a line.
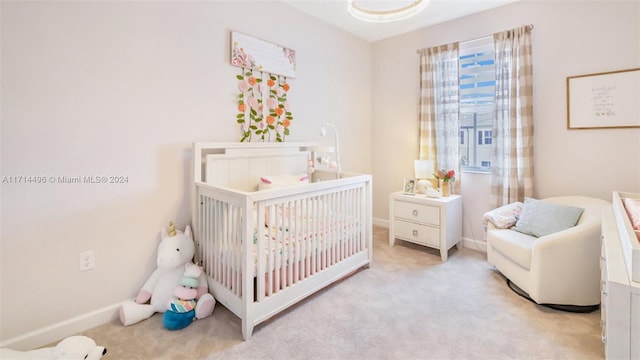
477 100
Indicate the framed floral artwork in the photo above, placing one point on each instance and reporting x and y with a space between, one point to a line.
255 54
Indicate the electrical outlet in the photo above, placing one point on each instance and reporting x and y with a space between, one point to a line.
87 260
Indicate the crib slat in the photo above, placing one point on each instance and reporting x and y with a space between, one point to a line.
216 230
260 283
341 226
291 238
319 225
306 249
335 199
269 254
235 222
299 236
353 214
279 244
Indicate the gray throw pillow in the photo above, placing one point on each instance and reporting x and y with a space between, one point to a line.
539 218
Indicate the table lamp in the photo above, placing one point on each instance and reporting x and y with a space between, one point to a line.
424 173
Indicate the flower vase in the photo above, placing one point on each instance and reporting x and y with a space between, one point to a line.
445 188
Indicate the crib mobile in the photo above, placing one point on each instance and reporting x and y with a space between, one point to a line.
324 160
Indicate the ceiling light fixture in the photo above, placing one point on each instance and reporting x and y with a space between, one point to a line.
385 11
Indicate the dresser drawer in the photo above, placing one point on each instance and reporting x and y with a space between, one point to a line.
417 212
417 233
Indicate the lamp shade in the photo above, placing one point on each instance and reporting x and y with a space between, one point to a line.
424 169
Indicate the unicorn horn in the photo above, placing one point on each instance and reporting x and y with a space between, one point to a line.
172 229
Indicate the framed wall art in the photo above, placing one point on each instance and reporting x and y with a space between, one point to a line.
255 54
604 100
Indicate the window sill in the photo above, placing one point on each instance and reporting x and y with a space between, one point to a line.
471 171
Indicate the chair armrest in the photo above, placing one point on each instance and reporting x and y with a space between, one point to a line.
568 262
576 239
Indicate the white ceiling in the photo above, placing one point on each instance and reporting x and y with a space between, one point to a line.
335 13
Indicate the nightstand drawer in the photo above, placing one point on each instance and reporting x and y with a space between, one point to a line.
417 212
413 232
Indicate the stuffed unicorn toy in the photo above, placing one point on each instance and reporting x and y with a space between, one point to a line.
175 254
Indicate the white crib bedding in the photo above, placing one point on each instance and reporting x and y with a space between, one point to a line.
327 235
292 234
298 250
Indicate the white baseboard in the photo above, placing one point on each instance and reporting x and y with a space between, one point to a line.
56 332
381 222
474 244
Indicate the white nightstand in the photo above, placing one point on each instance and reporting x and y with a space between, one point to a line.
436 223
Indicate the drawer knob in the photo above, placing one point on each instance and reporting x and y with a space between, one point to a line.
415 212
415 232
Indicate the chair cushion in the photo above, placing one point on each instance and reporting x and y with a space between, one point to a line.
514 245
540 218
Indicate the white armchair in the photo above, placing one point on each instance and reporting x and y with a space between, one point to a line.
562 268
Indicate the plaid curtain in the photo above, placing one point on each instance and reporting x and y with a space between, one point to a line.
439 107
512 147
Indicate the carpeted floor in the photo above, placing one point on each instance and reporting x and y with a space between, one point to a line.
408 305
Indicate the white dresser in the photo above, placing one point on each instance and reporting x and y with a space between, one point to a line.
620 306
436 223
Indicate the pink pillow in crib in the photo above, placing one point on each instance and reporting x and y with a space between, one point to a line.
282 181
632 206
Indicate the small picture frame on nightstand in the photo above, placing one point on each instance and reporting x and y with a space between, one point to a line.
409 187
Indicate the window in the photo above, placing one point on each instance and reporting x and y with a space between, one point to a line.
477 100
487 137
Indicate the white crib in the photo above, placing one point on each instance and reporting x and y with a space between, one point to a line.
263 251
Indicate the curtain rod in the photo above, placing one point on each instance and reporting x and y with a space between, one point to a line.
479 37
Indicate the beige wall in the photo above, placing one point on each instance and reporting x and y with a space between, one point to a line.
124 88
569 38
